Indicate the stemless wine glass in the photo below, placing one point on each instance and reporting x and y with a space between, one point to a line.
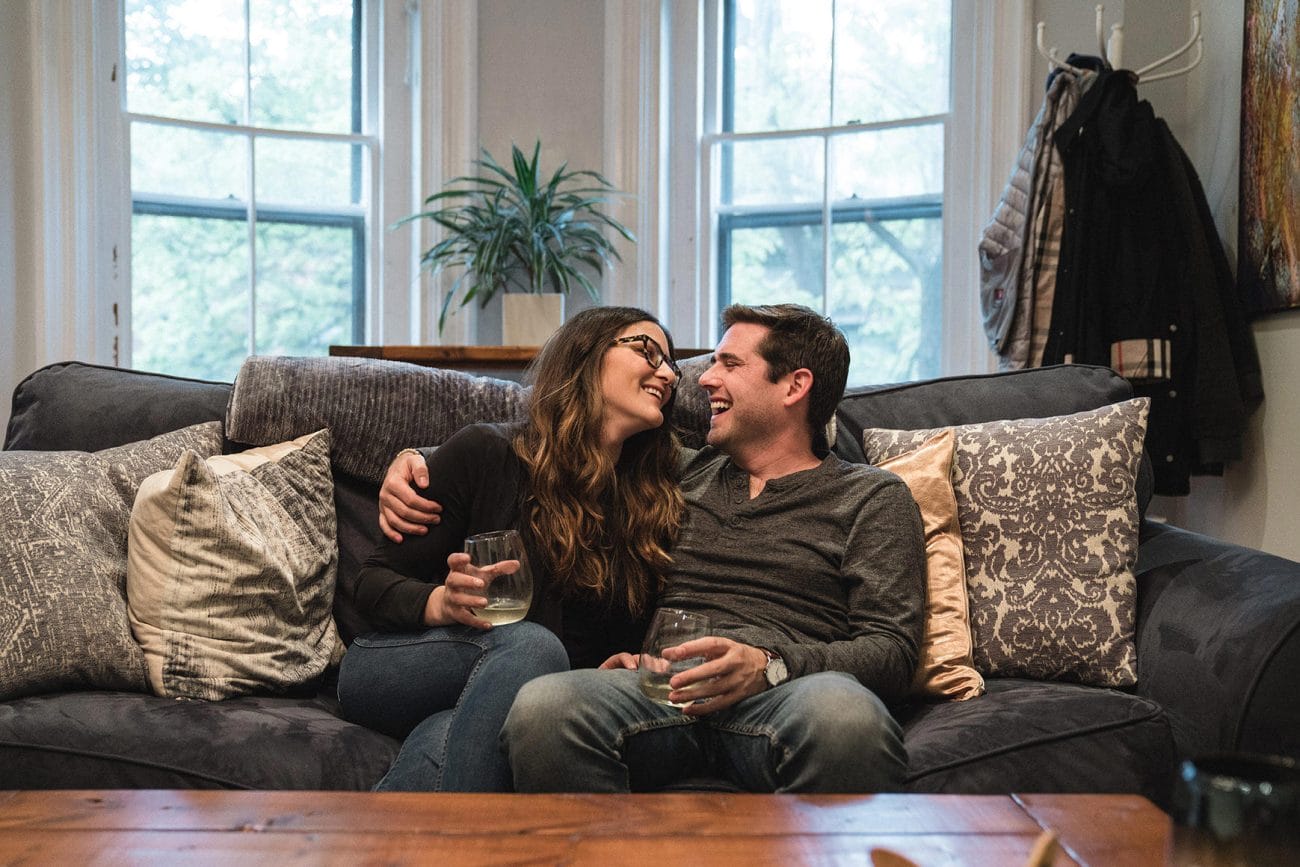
509 593
669 628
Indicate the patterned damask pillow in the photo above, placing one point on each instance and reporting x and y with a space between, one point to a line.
63 530
1049 523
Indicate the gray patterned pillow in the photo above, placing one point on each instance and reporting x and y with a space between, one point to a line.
230 578
1049 522
63 530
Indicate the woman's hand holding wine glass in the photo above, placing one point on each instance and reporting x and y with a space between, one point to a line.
490 584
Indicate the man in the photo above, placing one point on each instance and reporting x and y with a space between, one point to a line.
811 571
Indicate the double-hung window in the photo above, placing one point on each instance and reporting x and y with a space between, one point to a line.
252 162
830 170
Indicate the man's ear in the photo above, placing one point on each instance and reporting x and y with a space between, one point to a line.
799 385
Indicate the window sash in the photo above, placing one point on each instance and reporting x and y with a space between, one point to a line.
354 217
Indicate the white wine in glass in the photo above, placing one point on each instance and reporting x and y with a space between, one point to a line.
509 588
669 628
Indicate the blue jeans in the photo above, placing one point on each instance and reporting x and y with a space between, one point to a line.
446 691
594 731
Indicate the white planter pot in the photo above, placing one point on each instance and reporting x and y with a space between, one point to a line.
530 320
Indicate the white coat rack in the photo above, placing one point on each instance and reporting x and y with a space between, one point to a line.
1111 49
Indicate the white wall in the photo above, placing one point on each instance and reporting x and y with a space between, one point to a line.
540 71
57 285
16 344
12 356
1257 502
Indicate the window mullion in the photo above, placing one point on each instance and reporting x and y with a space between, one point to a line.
827 170
251 145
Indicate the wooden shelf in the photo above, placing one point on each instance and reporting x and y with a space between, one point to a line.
454 357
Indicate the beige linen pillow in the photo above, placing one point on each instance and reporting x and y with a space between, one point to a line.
945 669
1049 522
230 571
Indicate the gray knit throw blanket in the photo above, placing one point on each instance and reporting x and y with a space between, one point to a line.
372 408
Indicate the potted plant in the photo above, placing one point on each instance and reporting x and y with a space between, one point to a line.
516 231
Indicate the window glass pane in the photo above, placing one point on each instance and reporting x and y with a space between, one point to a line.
782 64
773 172
189 310
194 301
171 161
891 59
886 295
185 59
304 288
888 163
301 64
776 265
306 173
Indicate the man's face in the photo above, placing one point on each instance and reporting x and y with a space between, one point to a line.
745 403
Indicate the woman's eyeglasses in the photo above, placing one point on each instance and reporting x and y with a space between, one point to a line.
651 351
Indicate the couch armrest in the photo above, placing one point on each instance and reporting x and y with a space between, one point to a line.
88 407
1218 641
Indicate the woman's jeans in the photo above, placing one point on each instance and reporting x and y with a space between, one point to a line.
446 691
594 731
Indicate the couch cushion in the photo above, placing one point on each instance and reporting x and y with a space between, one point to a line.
1033 736
1032 393
63 535
944 668
691 407
230 571
116 740
88 407
1050 528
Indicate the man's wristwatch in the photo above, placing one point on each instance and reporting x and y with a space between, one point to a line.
775 673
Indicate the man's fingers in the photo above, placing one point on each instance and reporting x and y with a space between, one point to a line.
620 661
389 531
421 511
395 524
710 646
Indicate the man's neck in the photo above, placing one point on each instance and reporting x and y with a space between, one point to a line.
773 461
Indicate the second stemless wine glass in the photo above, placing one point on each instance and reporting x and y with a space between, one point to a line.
670 628
508 593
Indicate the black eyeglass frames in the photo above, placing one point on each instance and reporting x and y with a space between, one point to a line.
652 352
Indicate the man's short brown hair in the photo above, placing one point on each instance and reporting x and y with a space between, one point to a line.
801 337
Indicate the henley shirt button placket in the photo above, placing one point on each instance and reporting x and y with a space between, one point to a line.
739 493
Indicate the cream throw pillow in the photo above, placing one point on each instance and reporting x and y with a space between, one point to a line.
945 669
231 564
1049 521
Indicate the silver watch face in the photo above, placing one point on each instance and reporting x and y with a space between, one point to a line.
776 672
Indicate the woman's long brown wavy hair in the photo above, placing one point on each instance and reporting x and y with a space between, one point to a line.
599 526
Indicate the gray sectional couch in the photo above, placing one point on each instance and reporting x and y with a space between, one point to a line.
1217 625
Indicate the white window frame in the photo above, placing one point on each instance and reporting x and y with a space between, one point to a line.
421 131
677 46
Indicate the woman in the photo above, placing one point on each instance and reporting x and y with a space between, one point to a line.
590 482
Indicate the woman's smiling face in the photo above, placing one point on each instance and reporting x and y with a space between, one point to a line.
634 393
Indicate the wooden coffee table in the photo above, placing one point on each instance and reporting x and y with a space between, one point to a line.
131 827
